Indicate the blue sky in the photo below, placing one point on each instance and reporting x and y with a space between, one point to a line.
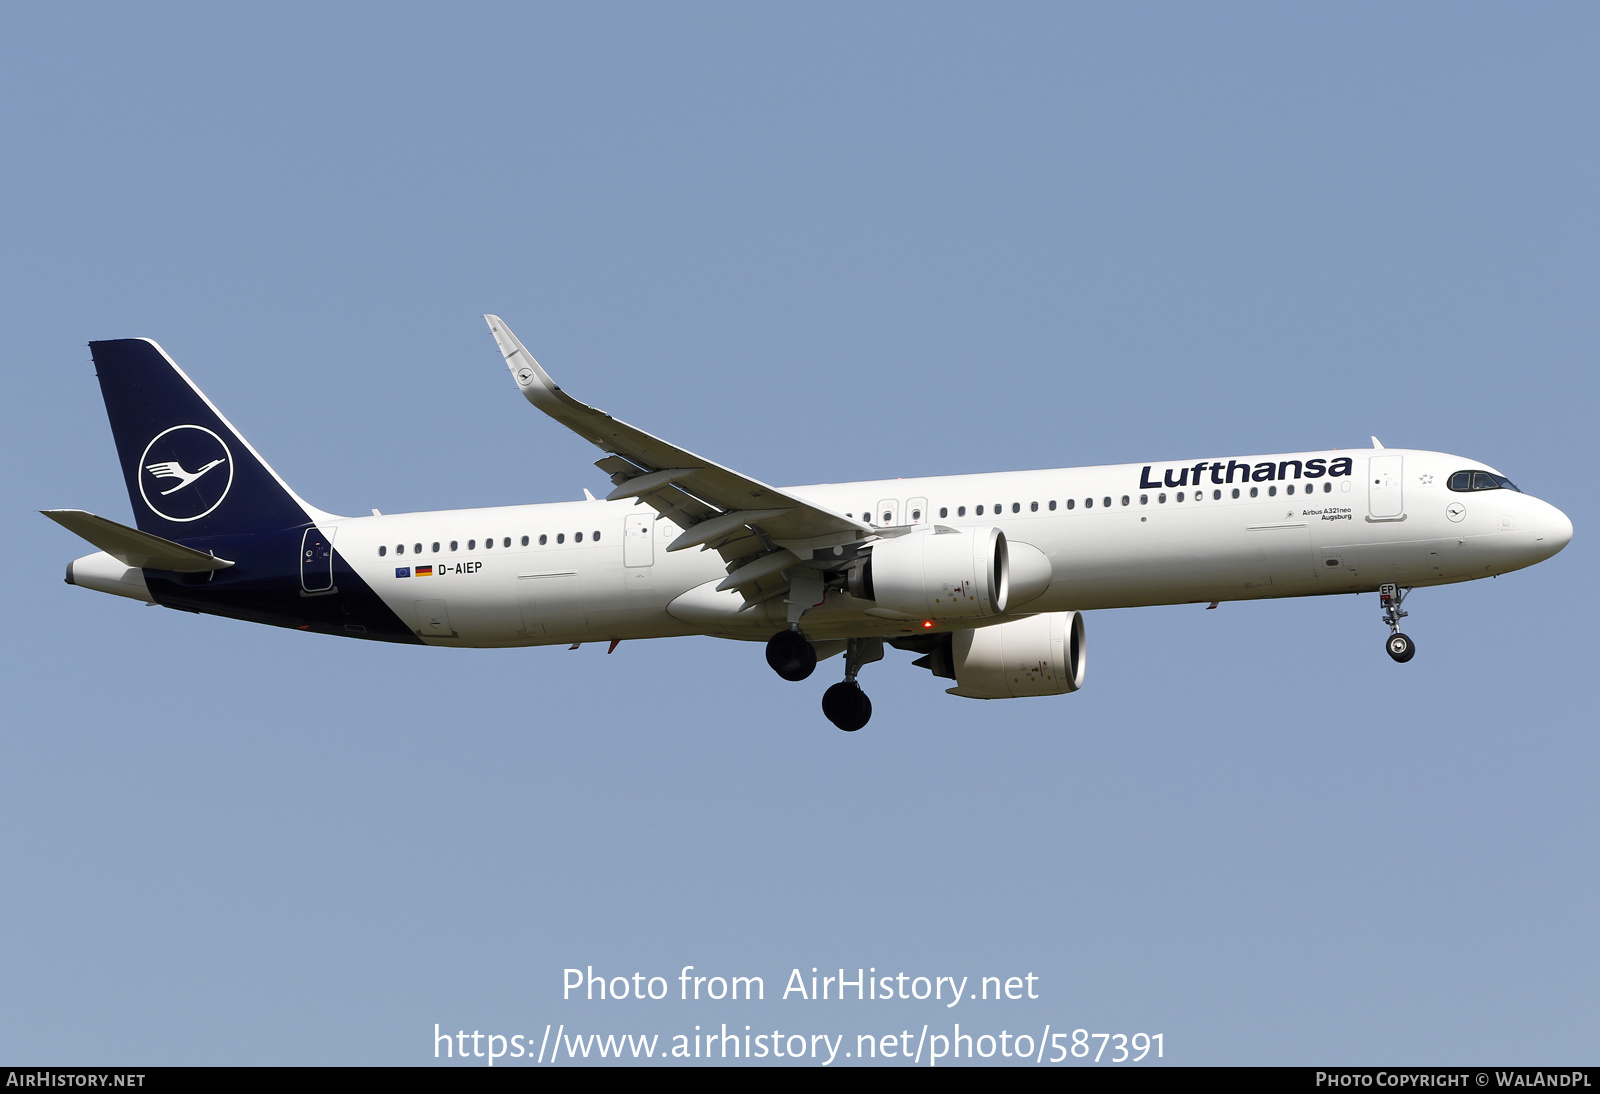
814 243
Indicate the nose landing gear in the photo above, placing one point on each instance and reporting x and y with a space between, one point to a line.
1399 646
845 704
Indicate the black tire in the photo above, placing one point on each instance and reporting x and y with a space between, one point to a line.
1401 648
847 706
790 655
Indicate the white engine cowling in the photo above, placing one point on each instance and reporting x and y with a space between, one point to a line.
1040 655
939 575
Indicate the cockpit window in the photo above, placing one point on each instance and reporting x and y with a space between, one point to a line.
1480 480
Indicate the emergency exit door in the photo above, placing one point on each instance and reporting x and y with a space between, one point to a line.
638 544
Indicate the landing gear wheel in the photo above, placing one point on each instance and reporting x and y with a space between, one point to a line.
847 706
790 655
1401 648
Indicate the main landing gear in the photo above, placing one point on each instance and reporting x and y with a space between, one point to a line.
790 655
845 704
1400 647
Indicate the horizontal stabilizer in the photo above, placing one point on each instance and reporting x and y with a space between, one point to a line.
133 547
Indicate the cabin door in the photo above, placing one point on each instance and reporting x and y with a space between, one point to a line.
1385 487
316 562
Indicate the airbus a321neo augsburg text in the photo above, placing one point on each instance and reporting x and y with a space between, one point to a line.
983 576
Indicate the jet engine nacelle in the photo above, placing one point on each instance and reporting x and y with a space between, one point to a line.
1040 655
938 575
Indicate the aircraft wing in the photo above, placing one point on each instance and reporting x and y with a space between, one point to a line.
716 507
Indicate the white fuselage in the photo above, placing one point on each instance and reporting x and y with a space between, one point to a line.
595 571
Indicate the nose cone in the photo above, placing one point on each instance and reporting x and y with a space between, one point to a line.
1555 530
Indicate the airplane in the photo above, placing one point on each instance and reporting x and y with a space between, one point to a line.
985 577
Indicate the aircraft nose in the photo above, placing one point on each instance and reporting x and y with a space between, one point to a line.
1555 528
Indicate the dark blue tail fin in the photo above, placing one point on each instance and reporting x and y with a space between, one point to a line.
189 473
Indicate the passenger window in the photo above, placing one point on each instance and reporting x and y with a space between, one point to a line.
472 544
1180 495
506 542
1161 499
1052 507
1144 499
1016 507
998 509
1071 502
1235 491
916 514
436 548
383 551
1107 503
1033 507
1272 491
1216 495
944 511
543 540
1088 503
595 536
416 549
961 511
453 545
1327 488
886 516
524 541
578 538
561 537
1254 491
1289 489
488 543
979 510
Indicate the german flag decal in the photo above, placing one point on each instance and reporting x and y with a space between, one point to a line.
424 571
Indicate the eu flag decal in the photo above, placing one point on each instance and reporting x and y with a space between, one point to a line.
402 571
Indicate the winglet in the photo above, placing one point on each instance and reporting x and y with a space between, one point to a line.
537 385
530 376
1376 443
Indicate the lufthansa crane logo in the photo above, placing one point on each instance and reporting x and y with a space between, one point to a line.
185 473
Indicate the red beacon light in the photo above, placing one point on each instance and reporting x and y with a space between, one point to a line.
926 623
